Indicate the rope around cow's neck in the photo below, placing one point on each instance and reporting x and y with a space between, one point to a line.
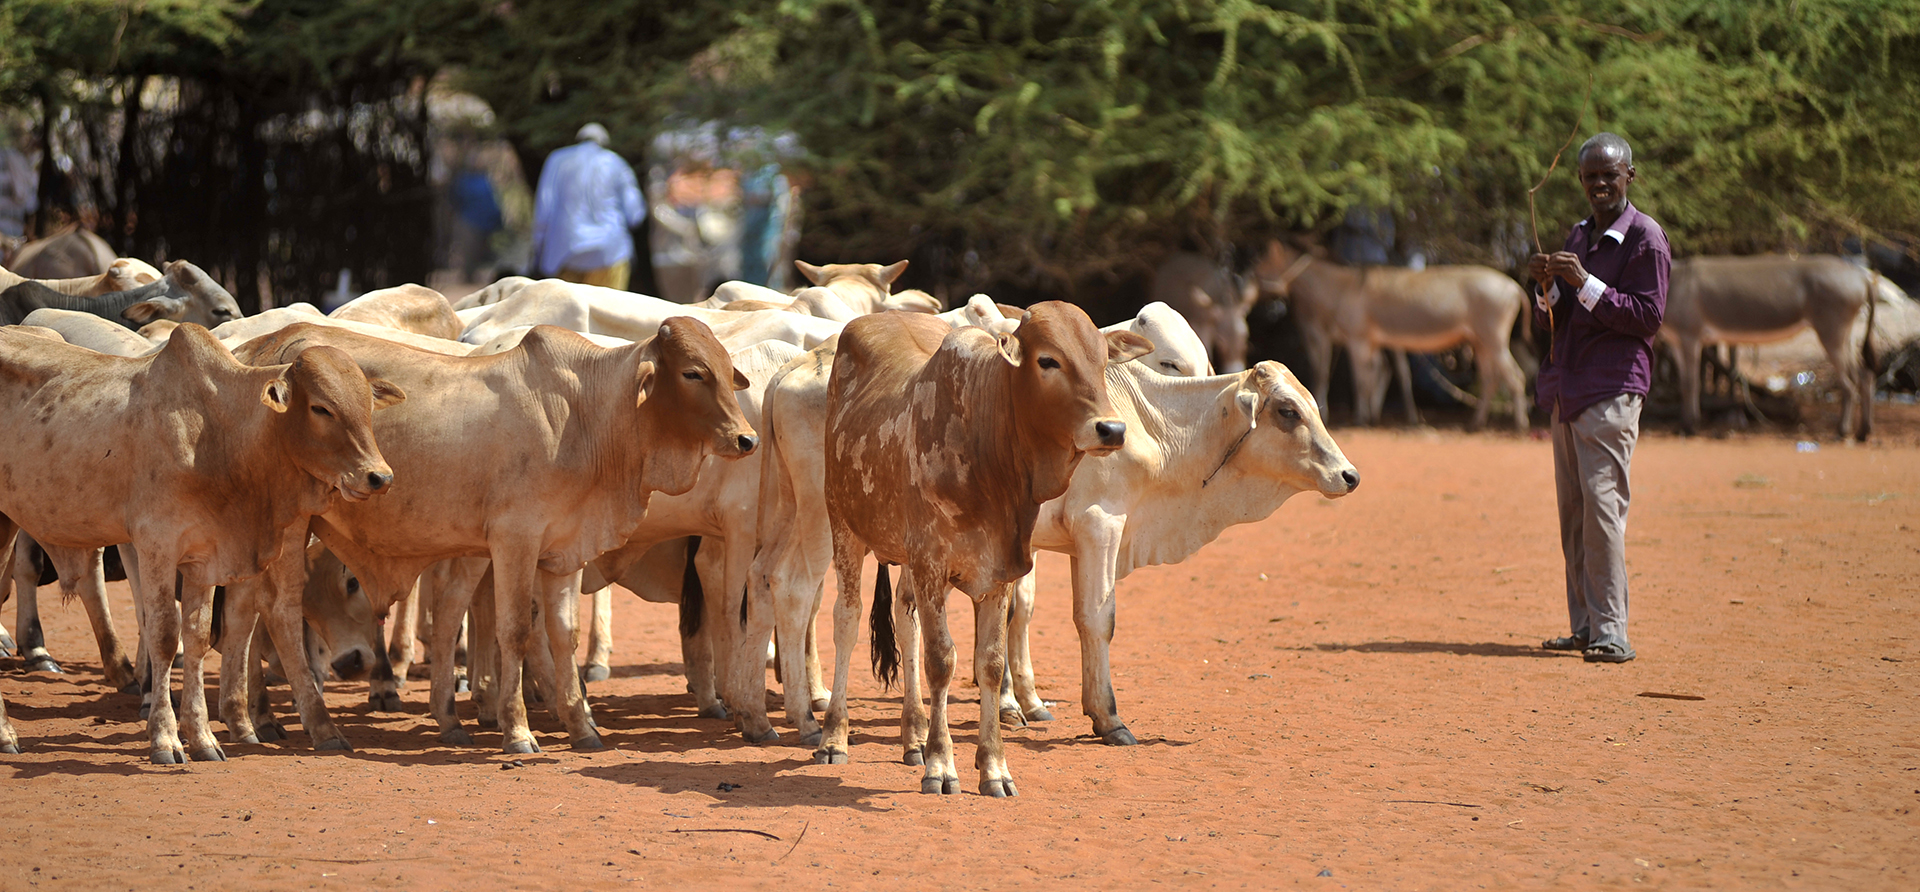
1228 457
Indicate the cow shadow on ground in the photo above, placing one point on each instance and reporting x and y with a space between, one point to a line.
747 784
1456 648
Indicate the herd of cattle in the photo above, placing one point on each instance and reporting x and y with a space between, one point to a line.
481 466
280 485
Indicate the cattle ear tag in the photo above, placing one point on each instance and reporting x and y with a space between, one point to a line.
1250 404
1124 346
276 393
740 381
1009 347
386 393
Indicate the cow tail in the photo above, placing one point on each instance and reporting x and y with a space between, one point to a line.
885 651
693 596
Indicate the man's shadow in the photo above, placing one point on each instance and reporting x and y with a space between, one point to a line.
1484 649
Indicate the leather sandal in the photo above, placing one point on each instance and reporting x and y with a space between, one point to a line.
1608 653
1568 642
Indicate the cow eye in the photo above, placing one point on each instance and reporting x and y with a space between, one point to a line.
1169 365
1048 362
691 375
1288 412
322 412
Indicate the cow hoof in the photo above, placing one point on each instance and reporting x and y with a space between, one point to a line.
384 701
998 789
521 747
1041 714
761 738
338 744
42 664
595 672
1119 737
245 738
456 737
1013 718
132 688
819 704
169 757
11 749
491 723
812 738
830 755
715 711
945 786
269 732
146 709
589 744
7 647
209 754
460 685
915 756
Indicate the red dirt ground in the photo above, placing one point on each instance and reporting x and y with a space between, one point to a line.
1346 695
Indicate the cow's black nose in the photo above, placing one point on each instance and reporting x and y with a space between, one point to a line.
748 443
1351 478
377 481
1111 433
350 666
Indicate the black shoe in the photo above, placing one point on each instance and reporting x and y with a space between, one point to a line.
1608 653
1570 642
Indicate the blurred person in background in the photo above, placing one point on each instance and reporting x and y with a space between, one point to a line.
19 185
587 202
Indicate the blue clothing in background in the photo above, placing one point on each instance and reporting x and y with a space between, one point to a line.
587 202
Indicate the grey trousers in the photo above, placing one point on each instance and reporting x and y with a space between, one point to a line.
1591 455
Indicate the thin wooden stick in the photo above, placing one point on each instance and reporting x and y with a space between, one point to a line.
1533 216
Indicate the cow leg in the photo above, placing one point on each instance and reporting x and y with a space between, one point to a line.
1487 370
1318 344
913 707
798 595
1687 356
196 614
280 607
930 599
152 575
1405 374
516 584
9 741
1095 613
240 683
600 637
746 689
32 641
451 599
733 661
483 652
1515 382
816 681
1363 357
402 637
560 604
697 654
1846 372
847 555
83 575
1023 690
990 662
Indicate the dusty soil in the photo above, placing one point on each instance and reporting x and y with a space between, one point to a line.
1348 694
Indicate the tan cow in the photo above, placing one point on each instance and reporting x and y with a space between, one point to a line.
122 274
589 309
1426 311
184 294
941 446
1759 300
541 458
410 308
494 293
203 464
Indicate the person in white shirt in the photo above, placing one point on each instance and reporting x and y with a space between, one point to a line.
584 209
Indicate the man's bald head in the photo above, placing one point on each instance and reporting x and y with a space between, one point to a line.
1611 145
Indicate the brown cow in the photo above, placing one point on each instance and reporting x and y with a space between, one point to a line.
941 446
202 463
541 458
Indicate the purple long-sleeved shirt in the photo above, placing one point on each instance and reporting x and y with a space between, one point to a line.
1603 332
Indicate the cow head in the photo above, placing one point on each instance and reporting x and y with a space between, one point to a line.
864 287
325 406
191 296
1060 384
1285 436
1177 350
687 381
342 633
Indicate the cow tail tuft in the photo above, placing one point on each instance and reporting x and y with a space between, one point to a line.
693 596
881 643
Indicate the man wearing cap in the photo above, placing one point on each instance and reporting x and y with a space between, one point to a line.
1602 296
587 204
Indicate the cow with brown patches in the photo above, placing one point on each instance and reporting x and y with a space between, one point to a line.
941 445
541 458
205 465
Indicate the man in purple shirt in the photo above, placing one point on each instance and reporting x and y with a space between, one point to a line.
1602 296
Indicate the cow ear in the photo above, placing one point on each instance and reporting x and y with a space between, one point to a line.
646 377
277 394
1123 346
812 272
1009 348
740 381
386 394
892 272
155 308
1250 404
